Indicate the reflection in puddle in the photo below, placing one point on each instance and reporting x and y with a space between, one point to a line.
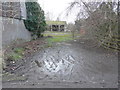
63 66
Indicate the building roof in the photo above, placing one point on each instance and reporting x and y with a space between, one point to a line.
56 22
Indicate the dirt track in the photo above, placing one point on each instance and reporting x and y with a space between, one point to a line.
76 64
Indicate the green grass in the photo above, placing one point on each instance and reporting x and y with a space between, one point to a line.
19 50
57 37
16 54
57 34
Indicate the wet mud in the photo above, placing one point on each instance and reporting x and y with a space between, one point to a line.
69 65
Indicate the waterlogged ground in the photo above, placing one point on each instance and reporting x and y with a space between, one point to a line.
77 64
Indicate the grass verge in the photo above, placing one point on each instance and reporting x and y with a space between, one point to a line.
57 37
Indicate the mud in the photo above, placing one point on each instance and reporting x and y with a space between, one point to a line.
74 64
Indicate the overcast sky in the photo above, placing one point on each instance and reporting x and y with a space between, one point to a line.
57 8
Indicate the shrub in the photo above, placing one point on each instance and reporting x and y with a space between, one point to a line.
35 21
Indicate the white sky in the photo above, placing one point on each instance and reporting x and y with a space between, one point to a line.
55 8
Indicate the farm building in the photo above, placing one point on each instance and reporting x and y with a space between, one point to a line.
56 25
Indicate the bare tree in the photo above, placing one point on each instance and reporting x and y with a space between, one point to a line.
49 16
101 19
71 27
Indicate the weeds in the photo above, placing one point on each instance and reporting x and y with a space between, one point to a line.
19 50
16 54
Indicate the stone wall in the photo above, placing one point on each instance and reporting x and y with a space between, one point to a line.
13 30
13 27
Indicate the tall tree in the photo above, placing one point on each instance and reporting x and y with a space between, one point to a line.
35 19
101 20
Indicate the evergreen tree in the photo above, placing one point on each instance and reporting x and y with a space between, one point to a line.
35 22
